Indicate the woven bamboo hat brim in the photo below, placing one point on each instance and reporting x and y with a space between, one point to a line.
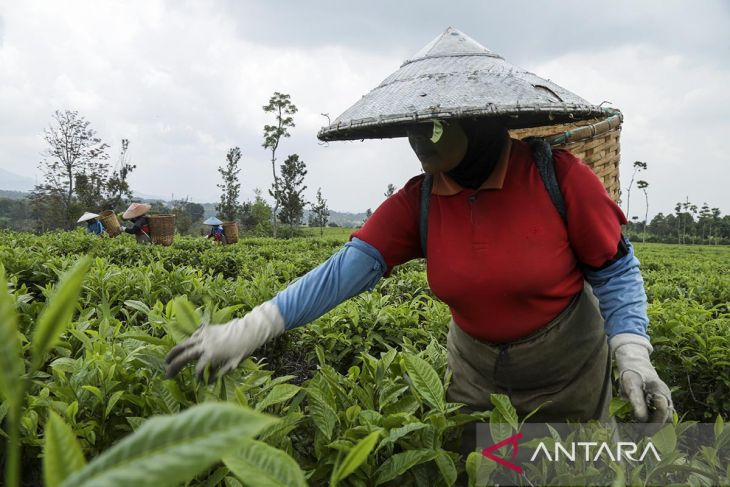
87 216
455 77
212 221
135 210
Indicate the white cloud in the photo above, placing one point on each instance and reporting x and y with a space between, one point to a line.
185 81
674 116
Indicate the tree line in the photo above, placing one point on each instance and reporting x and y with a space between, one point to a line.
258 217
77 177
689 224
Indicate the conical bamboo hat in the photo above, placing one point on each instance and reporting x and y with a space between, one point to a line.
86 216
454 76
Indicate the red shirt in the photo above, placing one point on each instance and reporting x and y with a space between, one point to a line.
500 256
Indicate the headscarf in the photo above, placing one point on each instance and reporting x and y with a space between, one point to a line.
486 140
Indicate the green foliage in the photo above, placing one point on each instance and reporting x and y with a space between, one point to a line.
59 310
12 367
289 191
169 450
357 391
320 213
258 464
282 108
229 208
354 458
74 172
62 454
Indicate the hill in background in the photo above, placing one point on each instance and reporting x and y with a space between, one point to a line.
10 181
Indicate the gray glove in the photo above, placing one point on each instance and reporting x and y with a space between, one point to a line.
649 395
222 347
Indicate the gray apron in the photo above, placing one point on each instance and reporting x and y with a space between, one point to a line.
564 368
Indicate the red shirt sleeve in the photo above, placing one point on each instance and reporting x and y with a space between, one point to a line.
594 219
393 227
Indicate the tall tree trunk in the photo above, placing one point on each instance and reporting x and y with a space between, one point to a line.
646 215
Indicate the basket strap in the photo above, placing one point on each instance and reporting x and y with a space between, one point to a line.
426 185
543 155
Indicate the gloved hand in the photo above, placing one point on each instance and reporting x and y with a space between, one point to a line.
649 395
222 347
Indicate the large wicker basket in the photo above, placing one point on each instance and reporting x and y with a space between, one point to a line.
230 230
162 229
109 219
595 141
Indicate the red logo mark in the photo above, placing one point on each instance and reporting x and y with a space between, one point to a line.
487 452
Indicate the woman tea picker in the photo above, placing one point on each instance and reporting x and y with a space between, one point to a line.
511 269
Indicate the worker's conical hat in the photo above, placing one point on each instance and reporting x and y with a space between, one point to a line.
135 210
212 221
87 216
454 76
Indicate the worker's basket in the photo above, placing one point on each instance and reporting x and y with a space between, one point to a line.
230 230
595 141
162 229
111 224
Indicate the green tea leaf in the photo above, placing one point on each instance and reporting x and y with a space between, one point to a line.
355 457
323 415
438 130
62 454
187 319
112 402
138 305
12 366
502 404
59 309
95 391
400 463
665 439
261 465
446 466
397 433
425 380
479 469
168 450
278 394
718 427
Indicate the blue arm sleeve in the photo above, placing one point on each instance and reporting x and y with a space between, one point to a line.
357 267
621 296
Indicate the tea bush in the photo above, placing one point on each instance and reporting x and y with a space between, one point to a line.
359 393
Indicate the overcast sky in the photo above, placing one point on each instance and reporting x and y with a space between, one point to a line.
186 80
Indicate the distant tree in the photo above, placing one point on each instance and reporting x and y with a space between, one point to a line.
15 214
368 214
158 206
678 216
196 211
320 212
229 208
642 185
281 106
715 214
74 154
256 215
118 192
291 186
90 188
390 191
638 166
183 220
693 213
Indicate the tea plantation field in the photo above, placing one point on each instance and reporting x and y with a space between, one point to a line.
355 398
